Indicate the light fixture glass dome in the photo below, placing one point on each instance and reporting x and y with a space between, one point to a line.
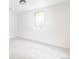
22 1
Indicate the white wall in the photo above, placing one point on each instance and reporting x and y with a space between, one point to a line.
12 24
56 30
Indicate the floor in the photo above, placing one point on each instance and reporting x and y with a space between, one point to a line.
21 48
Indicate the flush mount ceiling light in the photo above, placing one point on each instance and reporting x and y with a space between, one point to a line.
22 1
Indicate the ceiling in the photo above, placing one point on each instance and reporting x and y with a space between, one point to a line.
32 4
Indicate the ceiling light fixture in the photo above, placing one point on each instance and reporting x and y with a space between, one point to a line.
22 1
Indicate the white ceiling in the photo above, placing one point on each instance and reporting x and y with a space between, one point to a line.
32 4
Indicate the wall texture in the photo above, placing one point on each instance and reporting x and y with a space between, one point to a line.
56 30
12 24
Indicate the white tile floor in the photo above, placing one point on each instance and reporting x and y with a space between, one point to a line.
27 49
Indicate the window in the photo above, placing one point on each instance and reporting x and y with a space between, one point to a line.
39 20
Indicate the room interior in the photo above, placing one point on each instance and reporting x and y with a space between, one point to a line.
39 29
